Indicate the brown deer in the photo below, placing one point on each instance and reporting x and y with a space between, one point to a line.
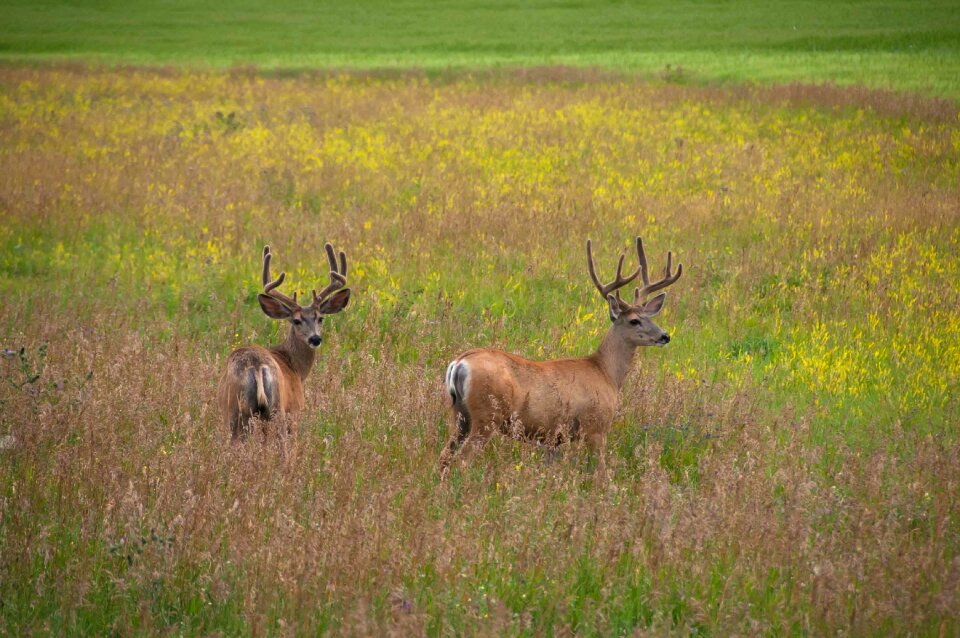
564 399
268 382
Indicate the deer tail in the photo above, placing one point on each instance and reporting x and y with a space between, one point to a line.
261 375
456 381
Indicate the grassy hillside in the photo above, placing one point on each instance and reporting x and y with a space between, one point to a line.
886 43
786 466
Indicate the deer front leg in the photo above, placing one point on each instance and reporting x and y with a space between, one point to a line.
282 424
288 424
597 445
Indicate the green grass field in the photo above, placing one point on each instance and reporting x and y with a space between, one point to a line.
787 465
894 44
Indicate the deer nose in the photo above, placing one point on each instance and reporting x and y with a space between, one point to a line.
315 340
665 338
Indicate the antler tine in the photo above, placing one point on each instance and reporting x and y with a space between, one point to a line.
331 257
667 280
642 256
340 269
270 286
267 284
590 268
338 274
619 282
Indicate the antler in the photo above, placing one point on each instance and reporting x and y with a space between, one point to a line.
269 287
620 281
338 274
648 287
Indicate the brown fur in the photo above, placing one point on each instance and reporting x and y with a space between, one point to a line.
289 366
268 383
555 401
548 401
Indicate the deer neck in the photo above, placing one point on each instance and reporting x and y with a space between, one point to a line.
297 354
615 356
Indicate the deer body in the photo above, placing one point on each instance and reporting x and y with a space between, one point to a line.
547 399
268 383
260 382
554 401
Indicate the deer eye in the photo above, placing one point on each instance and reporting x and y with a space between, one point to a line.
297 322
635 322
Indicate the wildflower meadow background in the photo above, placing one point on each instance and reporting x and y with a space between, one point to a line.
788 465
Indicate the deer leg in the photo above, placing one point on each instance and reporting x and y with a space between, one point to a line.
276 425
475 444
237 419
461 429
597 444
551 453
286 423
265 424
286 428
484 422
480 430
233 422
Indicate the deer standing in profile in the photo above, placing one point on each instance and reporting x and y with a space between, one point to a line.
563 399
268 382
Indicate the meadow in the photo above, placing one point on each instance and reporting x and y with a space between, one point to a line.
786 466
889 44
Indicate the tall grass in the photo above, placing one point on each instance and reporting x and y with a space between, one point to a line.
788 465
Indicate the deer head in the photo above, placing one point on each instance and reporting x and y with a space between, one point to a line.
305 321
634 320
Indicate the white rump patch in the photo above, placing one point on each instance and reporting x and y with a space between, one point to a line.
456 380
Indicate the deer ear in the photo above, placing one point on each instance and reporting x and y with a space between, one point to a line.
273 308
615 308
335 303
654 306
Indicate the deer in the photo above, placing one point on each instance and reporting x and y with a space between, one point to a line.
552 402
268 383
